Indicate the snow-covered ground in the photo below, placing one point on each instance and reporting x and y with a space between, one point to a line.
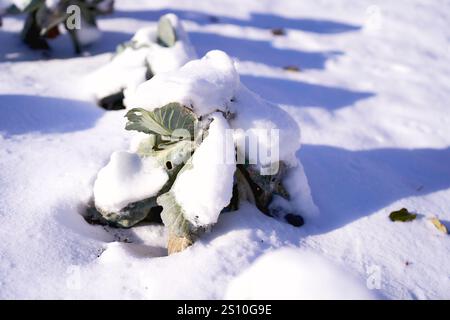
372 102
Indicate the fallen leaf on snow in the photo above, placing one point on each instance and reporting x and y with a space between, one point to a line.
439 225
278 32
402 215
292 68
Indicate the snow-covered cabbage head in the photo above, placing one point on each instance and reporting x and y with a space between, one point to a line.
152 50
200 122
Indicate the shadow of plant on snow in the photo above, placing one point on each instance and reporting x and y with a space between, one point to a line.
348 185
23 114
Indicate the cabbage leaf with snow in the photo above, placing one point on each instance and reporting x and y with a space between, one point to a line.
172 120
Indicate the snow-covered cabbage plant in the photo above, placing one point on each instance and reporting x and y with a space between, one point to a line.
45 17
6 6
152 50
191 162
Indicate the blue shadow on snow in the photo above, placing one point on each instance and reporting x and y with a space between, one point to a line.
302 94
348 185
260 51
22 114
256 20
61 47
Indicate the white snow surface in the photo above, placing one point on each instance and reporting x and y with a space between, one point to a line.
372 101
127 178
206 188
293 274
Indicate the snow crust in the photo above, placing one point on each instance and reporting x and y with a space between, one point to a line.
127 178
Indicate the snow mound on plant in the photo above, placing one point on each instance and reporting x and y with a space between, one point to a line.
125 179
257 119
299 275
205 189
206 85
164 59
128 68
278 136
212 83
